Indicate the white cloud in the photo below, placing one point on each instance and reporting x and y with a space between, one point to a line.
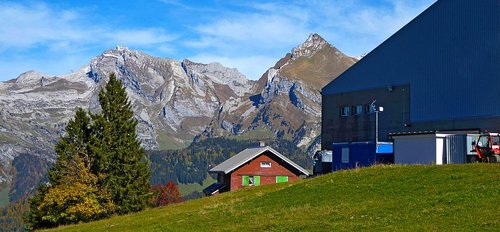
250 42
272 29
24 26
58 40
36 25
358 27
374 20
247 35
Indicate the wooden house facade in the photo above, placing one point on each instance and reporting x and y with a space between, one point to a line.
254 167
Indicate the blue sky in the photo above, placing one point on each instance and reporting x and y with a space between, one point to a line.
57 37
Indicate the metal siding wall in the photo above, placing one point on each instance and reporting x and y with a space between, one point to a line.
456 149
462 64
358 128
415 149
450 55
360 155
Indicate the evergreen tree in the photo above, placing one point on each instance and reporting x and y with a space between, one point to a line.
100 167
71 149
118 151
75 142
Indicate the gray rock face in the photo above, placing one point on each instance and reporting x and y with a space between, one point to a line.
173 101
34 110
307 49
287 100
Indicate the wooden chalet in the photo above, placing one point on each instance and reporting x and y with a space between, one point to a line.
254 167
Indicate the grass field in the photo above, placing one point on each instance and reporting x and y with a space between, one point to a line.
186 189
4 195
387 198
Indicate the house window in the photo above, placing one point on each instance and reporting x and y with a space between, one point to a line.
359 109
250 180
265 164
345 111
281 179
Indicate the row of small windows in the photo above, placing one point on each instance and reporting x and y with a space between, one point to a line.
255 180
356 110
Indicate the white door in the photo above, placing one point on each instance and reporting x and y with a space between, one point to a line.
439 150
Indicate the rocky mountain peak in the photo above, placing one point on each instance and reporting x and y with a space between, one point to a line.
29 76
174 101
217 74
32 79
217 71
313 44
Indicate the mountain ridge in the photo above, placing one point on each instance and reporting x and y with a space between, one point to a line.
175 102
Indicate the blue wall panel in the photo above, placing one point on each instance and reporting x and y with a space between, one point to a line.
360 154
450 57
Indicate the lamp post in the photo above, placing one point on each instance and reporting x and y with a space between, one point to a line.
376 110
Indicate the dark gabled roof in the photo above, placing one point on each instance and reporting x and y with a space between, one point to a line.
249 154
213 188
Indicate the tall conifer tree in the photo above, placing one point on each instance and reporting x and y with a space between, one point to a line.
75 142
73 147
100 167
118 152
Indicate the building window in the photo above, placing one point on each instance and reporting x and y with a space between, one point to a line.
250 180
345 111
265 164
369 109
281 179
359 109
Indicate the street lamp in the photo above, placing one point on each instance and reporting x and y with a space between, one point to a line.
376 110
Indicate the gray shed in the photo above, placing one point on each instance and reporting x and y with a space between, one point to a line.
432 147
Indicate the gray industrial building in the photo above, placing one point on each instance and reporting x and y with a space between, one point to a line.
440 72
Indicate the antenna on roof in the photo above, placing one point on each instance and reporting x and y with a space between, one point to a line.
120 46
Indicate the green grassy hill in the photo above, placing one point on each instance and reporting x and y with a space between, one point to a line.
389 198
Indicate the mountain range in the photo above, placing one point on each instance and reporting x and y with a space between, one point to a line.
175 102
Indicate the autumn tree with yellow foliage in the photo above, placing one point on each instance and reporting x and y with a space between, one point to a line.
77 197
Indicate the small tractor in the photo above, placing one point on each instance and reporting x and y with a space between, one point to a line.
487 148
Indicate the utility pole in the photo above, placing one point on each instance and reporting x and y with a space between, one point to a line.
377 110
376 127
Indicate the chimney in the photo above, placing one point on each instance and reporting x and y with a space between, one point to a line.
262 144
